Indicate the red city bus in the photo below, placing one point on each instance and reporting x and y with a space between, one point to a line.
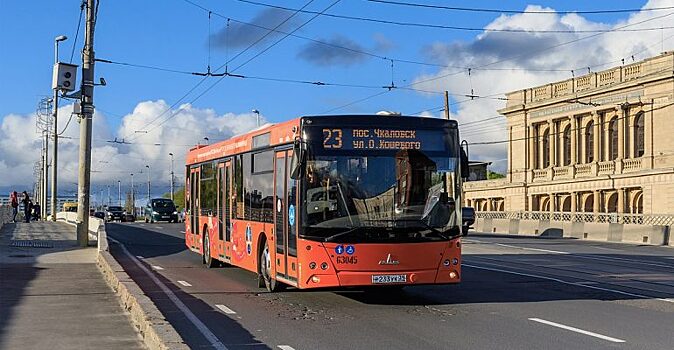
330 201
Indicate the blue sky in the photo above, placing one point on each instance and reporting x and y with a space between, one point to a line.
174 34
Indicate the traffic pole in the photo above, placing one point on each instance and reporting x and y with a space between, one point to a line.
87 89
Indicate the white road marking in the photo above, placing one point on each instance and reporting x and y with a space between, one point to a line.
225 309
182 231
577 330
582 256
139 257
532 249
577 284
159 227
142 225
286 347
185 283
157 267
217 344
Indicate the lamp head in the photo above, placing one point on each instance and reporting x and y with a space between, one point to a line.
61 38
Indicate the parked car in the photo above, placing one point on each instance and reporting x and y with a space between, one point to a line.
467 218
99 214
113 213
161 209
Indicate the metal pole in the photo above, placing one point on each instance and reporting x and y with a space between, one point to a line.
171 154
45 173
119 192
109 200
54 170
148 183
133 196
87 104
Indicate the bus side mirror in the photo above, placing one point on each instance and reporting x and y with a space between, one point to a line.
465 170
299 154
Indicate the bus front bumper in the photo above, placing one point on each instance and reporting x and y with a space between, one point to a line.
402 278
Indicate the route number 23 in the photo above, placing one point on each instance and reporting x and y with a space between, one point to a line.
332 138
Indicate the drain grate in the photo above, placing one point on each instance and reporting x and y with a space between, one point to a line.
32 244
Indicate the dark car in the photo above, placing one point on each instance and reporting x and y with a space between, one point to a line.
114 213
128 217
161 209
99 214
467 218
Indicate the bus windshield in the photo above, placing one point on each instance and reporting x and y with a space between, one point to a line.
380 196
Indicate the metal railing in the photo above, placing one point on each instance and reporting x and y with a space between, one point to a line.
613 218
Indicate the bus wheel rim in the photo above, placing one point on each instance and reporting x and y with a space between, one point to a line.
267 262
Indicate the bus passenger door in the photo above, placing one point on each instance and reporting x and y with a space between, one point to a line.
285 214
224 208
194 207
280 214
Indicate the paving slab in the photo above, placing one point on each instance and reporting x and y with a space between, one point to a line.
52 294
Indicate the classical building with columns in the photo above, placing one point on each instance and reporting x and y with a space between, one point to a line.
598 143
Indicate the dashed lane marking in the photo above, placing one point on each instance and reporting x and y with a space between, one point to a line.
139 257
225 309
577 330
182 231
200 326
577 284
185 283
286 347
157 267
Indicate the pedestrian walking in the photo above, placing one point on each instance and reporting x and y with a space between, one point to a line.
14 202
26 206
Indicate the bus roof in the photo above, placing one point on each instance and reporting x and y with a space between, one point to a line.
278 134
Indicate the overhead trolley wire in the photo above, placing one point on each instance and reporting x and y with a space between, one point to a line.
448 27
476 9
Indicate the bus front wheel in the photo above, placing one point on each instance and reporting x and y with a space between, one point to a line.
264 279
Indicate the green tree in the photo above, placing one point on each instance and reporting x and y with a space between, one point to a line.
178 197
491 175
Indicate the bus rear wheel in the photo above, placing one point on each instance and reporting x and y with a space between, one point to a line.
264 279
208 260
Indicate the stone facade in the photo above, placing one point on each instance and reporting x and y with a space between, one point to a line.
602 143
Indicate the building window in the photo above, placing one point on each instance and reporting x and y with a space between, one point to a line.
589 142
639 138
567 145
613 139
546 149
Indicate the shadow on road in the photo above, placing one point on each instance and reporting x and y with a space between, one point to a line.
230 332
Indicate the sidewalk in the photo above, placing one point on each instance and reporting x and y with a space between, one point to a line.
52 294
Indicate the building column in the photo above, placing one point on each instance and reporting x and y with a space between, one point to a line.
631 137
552 201
574 141
597 133
553 142
621 133
621 200
605 137
532 147
574 202
596 201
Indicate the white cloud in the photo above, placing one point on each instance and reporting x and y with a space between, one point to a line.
512 51
20 145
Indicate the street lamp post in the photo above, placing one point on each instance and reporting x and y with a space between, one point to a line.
148 183
119 193
133 196
171 154
257 114
54 169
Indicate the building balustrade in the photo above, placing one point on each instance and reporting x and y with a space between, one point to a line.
606 168
561 172
612 218
633 164
541 174
583 170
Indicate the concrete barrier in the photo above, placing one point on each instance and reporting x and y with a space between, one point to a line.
594 231
71 218
5 215
156 331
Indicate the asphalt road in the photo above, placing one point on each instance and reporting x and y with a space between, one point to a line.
517 293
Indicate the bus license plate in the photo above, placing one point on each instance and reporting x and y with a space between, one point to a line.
379 279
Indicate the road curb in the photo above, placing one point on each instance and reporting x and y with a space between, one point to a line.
156 331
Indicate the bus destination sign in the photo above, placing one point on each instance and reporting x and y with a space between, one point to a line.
382 139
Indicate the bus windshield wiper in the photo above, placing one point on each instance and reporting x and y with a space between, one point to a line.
341 234
426 225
